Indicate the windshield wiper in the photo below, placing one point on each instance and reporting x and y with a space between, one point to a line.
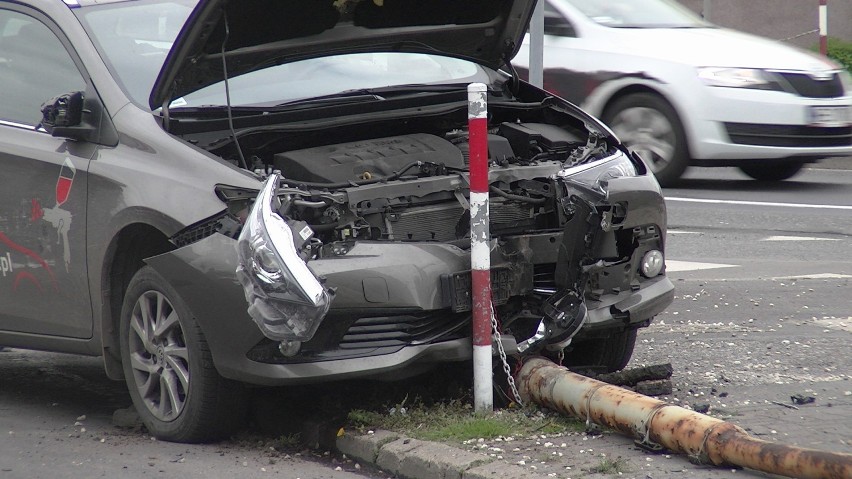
639 26
419 87
374 94
349 96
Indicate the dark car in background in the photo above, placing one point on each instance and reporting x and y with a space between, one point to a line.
272 193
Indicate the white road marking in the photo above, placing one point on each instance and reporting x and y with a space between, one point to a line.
798 238
815 276
682 232
758 203
836 323
672 266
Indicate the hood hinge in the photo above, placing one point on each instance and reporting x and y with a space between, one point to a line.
507 58
164 112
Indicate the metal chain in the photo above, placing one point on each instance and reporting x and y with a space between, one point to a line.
503 359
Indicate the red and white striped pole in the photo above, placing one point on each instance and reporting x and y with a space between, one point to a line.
823 27
480 254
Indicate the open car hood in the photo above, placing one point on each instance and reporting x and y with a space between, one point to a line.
254 34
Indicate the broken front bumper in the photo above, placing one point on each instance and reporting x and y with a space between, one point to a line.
392 309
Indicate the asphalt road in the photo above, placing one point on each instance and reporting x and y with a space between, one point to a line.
763 275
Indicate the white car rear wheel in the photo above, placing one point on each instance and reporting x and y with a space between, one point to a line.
772 171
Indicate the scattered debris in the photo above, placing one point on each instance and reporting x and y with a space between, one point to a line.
655 387
802 399
127 418
784 405
629 377
654 380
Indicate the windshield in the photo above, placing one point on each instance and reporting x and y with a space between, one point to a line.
638 13
319 77
135 37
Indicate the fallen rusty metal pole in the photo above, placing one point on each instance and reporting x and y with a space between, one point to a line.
654 422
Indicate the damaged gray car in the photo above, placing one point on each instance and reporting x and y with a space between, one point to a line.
218 194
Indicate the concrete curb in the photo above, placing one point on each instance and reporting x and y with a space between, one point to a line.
414 459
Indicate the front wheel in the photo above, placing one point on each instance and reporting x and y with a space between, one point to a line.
169 369
772 171
608 354
650 126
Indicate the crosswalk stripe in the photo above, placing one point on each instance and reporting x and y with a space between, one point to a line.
758 203
815 276
798 238
674 265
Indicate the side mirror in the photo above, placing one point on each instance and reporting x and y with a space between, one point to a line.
62 116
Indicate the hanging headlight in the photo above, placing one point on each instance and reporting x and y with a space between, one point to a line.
596 175
285 299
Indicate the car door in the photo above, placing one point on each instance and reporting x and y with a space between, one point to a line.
43 281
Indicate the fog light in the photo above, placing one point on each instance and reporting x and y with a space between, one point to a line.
652 263
289 348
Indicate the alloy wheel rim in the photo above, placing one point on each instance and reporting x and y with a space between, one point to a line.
159 357
647 132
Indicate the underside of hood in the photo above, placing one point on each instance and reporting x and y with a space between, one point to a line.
254 34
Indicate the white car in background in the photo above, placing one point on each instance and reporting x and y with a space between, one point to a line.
681 91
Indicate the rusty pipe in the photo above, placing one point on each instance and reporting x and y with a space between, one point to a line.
654 422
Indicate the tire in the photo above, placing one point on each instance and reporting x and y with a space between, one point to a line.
608 354
772 171
650 126
169 369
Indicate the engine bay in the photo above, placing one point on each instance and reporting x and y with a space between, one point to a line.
394 157
408 187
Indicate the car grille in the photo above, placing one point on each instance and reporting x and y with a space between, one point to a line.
788 135
348 338
807 86
405 330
